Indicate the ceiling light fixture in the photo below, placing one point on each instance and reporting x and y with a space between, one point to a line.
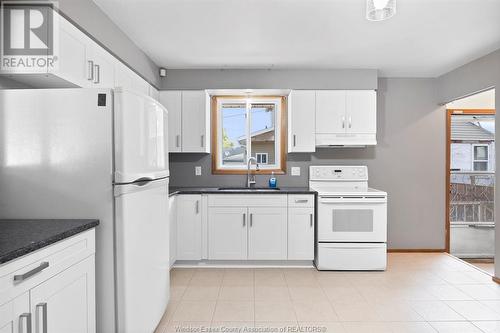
379 10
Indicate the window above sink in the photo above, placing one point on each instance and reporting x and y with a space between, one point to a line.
248 126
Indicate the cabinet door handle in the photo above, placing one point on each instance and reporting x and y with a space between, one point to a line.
343 122
197 206
26 316
177 140
203 140
294 140
90 70
97 77
41 319
32 272
311 220
251 220
301 200
244 219
350 121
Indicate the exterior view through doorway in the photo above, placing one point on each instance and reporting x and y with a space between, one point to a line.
470 180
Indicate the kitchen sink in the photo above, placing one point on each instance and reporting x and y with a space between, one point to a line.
248 189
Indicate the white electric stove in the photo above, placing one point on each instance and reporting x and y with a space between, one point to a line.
351 229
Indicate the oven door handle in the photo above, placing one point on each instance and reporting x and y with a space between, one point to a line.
360 200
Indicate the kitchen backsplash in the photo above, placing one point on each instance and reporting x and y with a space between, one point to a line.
182 167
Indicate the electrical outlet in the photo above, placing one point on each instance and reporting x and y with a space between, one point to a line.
197 171
295 171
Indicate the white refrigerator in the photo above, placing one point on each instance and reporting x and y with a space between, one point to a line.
96 153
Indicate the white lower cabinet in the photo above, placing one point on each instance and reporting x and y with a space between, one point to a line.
267 235
189 217
301 233
56 293
63 303
247 227
241 233
15 316
227 233
244 227
172 220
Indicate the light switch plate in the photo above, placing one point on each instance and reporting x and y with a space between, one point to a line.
295 171
197 171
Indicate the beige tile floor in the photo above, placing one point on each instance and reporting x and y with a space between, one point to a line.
488 267
418 293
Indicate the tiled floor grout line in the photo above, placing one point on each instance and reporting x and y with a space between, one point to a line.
180 298
290 297
218 295
254 306
326 296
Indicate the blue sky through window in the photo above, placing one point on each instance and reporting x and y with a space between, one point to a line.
234 122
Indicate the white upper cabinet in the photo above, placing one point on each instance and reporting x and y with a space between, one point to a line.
330 111
81 62
72 55
126 78
188 116
346 117
361 111
172 100
326 118
301 121
195 137
123 76
100 66
140 85
154 93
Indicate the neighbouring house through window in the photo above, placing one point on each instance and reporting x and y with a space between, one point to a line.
480 157
246 127
262 158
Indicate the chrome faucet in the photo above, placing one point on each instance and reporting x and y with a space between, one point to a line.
251 178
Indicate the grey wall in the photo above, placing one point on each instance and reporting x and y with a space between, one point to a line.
90 18
477 75
269 79
408 162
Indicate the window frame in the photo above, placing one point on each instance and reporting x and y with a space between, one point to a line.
487 160
280 136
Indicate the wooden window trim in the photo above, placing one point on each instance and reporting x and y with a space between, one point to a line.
215 135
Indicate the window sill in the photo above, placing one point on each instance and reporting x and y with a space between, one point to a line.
244 172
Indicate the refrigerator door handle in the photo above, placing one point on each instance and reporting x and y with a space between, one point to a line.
142 181
121 189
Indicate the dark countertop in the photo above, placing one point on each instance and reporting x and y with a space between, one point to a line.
214 190
20 237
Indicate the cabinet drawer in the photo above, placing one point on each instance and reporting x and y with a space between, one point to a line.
300 200
247 200
45 263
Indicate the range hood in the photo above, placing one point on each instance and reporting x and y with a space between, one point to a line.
346 140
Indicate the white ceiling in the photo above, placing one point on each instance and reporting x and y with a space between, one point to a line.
426 38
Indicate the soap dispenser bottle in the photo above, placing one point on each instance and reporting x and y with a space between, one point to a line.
272 181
